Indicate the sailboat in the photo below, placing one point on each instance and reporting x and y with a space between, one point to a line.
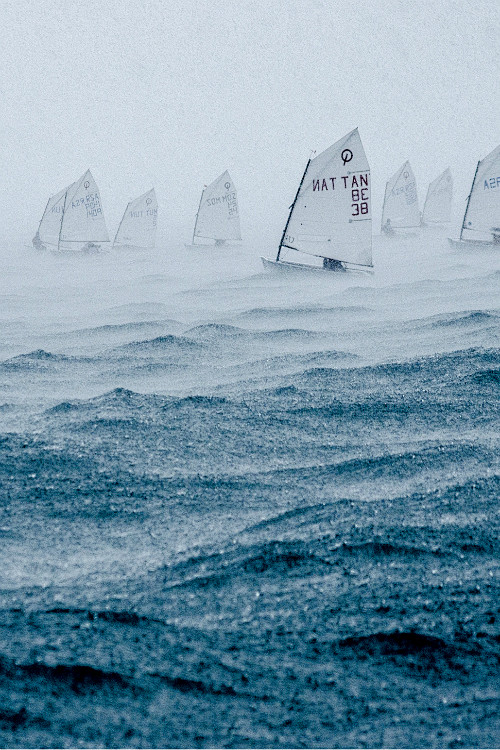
437 206
73 219
481 224
137 228
330 217
400 211
218 216
49 228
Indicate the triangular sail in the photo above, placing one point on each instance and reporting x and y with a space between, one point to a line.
138 225
50 223
218 215
482 214
83 219
437 206
331 215
400 200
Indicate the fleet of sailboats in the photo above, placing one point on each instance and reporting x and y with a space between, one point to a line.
330 218
73 219
481 222
329 225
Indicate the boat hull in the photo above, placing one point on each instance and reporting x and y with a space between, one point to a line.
287 266
473 244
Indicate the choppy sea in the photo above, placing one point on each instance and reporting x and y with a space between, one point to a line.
245 509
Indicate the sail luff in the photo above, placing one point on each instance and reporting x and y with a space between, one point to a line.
62 219
291 210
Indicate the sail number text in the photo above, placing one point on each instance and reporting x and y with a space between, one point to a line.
357 184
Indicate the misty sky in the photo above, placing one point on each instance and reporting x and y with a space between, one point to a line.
172 94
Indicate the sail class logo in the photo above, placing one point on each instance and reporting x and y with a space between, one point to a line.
86 185
227 185
346 156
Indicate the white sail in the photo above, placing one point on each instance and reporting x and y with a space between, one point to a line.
437 206
50 224
83 219
482 214
138 225
331 215
400 200
218 216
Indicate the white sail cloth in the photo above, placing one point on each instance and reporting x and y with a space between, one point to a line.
138 225
83 218
437 206
400 200
331 216
49 228
482 214
218 215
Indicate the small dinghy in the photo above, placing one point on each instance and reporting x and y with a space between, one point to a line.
330 217
400 214
481 224
218 218
137 229
49 229
73 220
437 206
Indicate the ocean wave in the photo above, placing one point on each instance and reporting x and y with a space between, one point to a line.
466 319
167 344
38 359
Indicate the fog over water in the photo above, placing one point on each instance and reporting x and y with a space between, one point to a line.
242 508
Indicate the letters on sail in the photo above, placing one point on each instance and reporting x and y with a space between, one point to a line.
331 215
482 215
83 218
218 215
138 225
400 209
437 206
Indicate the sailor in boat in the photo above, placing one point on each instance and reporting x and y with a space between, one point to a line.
37 242
219 243
329 264
496 235
90 248
387 228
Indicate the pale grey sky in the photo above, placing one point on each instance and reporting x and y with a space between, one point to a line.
170 95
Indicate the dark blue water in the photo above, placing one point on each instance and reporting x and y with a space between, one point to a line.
249 511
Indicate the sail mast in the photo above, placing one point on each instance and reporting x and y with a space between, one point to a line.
291 210
468 200
196 220
383 205
62 220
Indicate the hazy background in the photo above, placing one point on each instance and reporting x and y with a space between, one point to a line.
170 95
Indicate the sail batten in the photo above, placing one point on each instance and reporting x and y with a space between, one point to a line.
218 213
400 209
138 225
482 213
331 214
